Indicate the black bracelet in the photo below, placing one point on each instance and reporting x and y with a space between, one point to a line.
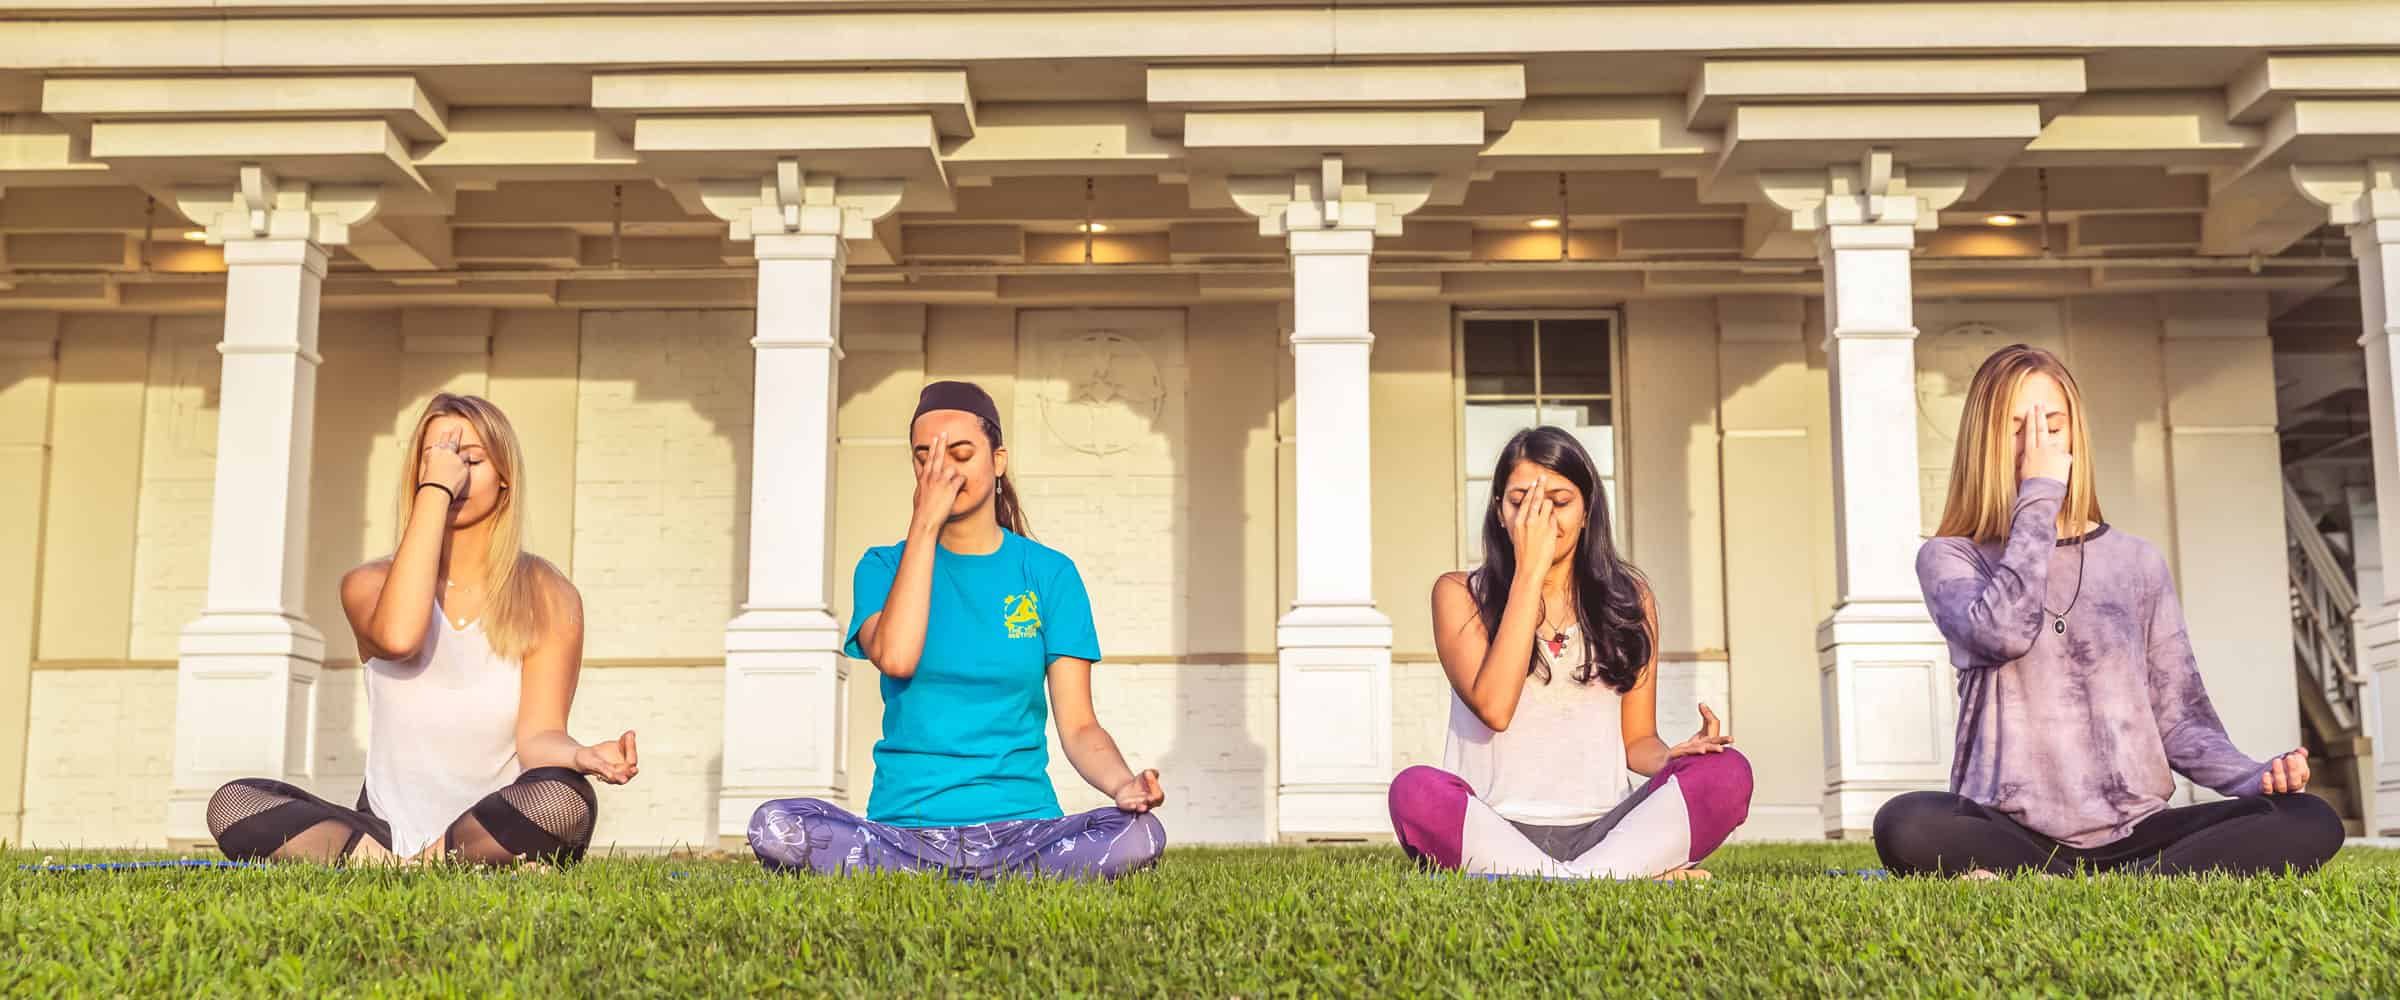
453 493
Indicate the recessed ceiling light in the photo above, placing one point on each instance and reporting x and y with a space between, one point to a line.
2003 219
1092 227
1544 223
195 235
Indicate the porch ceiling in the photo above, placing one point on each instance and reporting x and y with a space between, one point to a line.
2132 146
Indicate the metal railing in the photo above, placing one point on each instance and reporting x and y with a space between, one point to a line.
2323 605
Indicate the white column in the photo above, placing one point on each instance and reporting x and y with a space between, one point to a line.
244 695
1889 695
246 674
2375 241
2366 199
786 681
1333 647
1886 681
2226 474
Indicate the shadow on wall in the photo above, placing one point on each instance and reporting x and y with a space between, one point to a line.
1148 495
660 494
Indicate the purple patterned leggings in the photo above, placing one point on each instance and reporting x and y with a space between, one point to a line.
817 836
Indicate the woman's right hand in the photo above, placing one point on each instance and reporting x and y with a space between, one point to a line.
439 463
1534 528
2040 452
938 484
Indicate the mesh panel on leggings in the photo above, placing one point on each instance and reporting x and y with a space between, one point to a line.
556 808
257 818
239 801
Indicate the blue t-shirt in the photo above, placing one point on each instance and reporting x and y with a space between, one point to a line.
964 739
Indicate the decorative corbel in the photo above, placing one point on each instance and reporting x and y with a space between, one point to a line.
259 206
1876 191
792 200
1330 198
2352 193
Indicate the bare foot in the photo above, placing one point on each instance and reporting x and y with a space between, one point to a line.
1681 874
1981 875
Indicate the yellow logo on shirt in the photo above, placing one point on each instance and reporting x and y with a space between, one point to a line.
1024 619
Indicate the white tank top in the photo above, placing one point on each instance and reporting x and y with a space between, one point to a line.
442 731
1562 759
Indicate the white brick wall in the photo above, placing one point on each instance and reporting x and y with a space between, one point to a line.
662 441
1210 732
1420 714
179 456
678 718
99 756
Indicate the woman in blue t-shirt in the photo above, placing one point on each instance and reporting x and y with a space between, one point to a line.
967 620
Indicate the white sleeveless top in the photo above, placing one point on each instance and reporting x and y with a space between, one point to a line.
1562 759
442 732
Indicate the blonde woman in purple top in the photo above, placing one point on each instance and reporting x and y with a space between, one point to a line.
2078 696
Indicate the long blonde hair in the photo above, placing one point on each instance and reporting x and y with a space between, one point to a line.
515 608
1983 469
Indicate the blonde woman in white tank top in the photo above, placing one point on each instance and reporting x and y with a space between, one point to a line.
1551 651
472 648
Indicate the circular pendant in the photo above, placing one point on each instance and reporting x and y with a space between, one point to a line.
2059 625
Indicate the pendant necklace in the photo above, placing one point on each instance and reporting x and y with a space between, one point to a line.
2058 619
1557 642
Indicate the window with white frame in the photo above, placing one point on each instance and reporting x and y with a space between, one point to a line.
1521 369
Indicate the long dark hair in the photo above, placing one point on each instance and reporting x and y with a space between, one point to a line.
1005 504
1608 590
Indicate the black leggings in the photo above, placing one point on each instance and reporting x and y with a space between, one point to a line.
546 814
1937 832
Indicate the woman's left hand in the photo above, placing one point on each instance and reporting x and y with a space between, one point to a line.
1141 794
2286 774
613 761
1710 739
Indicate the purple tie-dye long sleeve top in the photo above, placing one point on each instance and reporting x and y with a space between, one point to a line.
2074 734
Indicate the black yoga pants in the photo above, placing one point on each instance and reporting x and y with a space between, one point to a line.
1938 832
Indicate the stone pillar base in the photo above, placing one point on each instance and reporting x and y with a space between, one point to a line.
787 708
1334 711
245 707
1891 705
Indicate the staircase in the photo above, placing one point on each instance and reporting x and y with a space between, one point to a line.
2325 652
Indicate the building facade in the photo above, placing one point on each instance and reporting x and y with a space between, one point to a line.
1259 291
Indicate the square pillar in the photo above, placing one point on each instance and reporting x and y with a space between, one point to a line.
1770 538
2375 241
2225 464
246 674
1888 690
786 682
28 374
1333 647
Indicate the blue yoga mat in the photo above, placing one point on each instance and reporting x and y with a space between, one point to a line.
119 866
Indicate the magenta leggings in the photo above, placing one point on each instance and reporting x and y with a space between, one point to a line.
1429 811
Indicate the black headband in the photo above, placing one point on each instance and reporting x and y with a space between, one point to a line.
964 396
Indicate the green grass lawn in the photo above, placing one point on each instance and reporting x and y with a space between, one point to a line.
1208 922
